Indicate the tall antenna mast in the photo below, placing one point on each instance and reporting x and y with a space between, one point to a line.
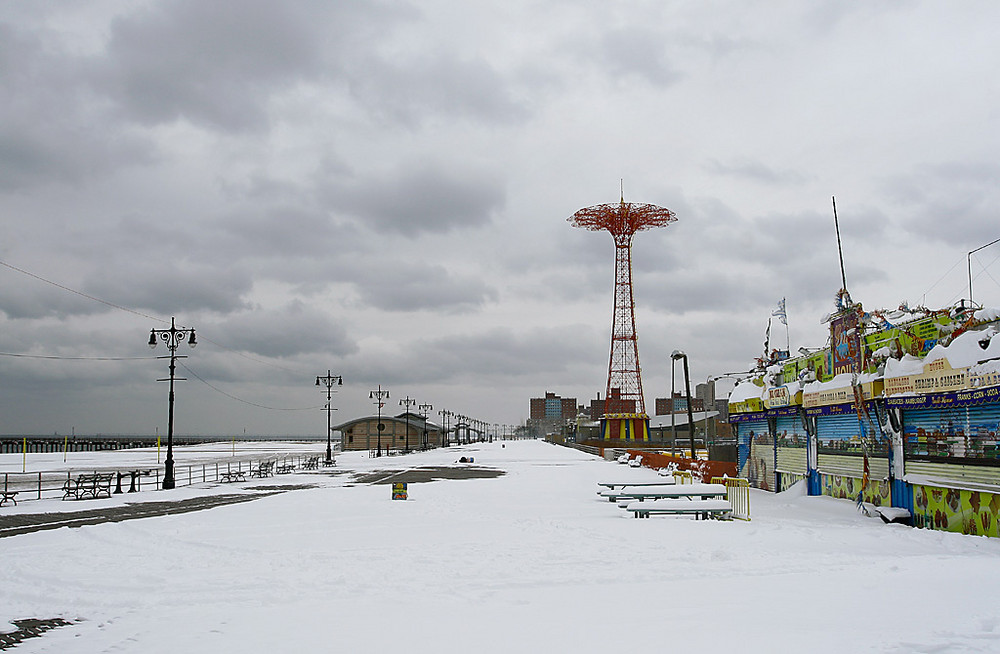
840 249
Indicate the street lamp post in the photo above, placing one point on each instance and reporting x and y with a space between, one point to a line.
444 427
424 409
407 402
379 396
172 339
329 381
677 354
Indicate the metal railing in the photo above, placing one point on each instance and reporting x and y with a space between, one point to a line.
50 484
738 494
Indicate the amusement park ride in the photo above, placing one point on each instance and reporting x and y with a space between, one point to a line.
625 416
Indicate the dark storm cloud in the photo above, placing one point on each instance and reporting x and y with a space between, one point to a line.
415 285
170 290
52 129
278 232
293 329
216 64
503 352
421 198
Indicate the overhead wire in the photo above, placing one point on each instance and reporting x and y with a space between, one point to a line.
160 320
238 399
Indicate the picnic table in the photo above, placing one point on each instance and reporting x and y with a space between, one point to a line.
704 509
662 481
682 491
9 495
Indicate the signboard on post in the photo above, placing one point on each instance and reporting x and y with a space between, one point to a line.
399 490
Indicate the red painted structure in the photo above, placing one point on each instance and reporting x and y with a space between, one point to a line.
624 407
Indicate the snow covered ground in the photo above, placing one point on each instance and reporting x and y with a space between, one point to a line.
531 561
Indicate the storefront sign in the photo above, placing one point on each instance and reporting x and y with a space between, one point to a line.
844 339
938 376
777 396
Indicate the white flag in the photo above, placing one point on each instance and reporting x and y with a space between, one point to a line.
780 312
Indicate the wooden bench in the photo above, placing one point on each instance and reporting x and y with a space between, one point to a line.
9 495
232 476
286 468
263 469
85 486
704 509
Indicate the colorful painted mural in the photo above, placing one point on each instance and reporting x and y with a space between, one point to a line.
952 509
847 488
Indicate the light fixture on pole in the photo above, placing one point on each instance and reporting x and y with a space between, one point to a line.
424 409
677 354
407 402
329 381
444 427
379 396
172 339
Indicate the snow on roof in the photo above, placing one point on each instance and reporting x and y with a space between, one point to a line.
964 351
746 390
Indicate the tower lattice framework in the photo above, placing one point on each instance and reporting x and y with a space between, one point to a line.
623 220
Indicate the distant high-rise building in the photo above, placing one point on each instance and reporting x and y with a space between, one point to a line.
552 407
677 404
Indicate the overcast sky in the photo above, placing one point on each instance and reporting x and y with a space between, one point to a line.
381 189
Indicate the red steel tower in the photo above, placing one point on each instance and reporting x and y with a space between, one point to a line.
625 415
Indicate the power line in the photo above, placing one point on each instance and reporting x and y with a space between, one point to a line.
233 397
59 358
80 293
137 313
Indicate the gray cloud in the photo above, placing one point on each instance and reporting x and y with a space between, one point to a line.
420 286
412 90
420 198
286 331
753 170
382 189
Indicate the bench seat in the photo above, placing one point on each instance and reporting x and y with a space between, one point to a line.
662 481
702 508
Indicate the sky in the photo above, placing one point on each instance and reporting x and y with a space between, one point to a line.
381 190
530 561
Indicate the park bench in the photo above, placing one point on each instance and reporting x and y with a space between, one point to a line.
85 486
263 469
312 463
704 509
9 495
233 475
286 468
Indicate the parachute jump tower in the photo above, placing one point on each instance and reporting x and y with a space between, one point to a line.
625 416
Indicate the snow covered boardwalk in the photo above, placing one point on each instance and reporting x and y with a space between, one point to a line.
528 560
